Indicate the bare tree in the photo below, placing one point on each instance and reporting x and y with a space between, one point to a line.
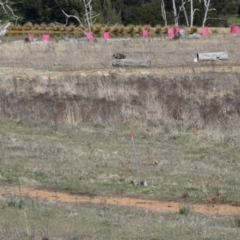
71 16
206 10
176 15
163 12
192 12
88 15
8 12
3 29
182 9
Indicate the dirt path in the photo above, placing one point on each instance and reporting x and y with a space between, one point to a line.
159 206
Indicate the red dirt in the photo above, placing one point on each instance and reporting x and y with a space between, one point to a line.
157 206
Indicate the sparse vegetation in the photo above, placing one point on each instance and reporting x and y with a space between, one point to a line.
185 210
47 220
65 121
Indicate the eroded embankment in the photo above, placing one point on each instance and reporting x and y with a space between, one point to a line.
111 98
151 205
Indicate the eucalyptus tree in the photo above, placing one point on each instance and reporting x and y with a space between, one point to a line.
164 16
207 8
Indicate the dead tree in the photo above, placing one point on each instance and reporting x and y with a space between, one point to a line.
3 29
176 15
206 9
88 15
164 16
8 12
182 9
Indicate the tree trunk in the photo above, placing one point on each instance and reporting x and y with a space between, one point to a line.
185 13
175 13
191 12
206 7
164 12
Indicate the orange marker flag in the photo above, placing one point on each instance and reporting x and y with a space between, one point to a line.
132 133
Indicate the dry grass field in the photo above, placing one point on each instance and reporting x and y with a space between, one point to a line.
65 117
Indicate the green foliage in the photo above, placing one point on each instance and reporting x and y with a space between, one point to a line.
185 210
121 12
237 222
16 202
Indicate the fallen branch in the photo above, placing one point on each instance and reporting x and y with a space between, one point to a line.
130 62
212 56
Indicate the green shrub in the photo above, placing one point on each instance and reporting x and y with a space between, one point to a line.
237 222
16 202
185 210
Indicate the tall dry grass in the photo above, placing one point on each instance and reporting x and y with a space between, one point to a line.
82 56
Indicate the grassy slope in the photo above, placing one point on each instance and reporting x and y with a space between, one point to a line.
95 157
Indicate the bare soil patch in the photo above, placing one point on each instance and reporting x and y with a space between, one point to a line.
159 206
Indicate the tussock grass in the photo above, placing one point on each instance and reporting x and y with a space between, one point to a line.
116 30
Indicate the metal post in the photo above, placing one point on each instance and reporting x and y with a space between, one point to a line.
135 155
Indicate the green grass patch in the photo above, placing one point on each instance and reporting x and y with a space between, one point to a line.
23 218
233 19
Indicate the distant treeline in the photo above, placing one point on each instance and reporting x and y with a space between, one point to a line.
136 12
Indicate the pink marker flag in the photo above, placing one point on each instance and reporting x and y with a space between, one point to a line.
90 36
171 32
46 37
205 32
131 133
30 35
176 30
235 30
145 33
106 36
